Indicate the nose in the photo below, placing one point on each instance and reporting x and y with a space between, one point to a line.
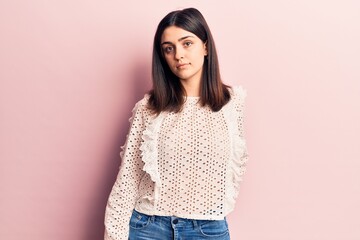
179 53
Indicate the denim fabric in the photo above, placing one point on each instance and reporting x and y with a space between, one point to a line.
145 227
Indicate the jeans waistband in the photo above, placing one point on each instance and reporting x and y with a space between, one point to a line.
177 220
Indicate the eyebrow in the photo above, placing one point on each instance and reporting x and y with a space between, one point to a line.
180 39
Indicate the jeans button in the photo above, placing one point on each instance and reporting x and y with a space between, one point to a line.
175 221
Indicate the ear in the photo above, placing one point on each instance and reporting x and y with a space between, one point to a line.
205 48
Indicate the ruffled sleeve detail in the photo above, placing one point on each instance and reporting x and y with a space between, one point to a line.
234 114
149 152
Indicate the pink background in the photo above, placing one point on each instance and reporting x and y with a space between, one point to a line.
71 72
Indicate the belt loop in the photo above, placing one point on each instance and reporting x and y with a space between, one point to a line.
152 218
195 223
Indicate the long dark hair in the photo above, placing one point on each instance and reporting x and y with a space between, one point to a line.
167 93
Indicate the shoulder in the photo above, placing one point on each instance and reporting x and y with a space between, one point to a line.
141 106
142 103
238 93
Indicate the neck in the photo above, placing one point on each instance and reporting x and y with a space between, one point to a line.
192 87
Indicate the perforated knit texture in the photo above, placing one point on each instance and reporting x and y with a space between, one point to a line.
186 164
193 149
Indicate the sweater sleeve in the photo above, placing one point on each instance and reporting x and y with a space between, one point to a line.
240 96
124 192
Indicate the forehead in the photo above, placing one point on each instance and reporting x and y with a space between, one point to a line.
173 34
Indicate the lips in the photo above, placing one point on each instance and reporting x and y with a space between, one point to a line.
182 65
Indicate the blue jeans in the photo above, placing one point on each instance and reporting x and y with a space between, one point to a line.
146 227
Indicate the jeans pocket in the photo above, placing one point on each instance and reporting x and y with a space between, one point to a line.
139 220
213 228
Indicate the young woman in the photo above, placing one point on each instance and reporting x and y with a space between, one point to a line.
185 153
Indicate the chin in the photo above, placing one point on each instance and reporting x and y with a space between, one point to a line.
184 78
181 76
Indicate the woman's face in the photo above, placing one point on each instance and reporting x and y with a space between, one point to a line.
184 53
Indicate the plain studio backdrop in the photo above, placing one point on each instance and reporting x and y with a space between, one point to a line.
71 71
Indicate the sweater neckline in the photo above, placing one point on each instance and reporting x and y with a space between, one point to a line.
192 97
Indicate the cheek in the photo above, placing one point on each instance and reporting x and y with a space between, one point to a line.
168 60
198 59
198 56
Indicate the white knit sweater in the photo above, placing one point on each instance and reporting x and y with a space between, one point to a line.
187 164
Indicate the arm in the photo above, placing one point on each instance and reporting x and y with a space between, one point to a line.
123 195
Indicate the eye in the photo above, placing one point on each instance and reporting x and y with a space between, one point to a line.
188 44
168 49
